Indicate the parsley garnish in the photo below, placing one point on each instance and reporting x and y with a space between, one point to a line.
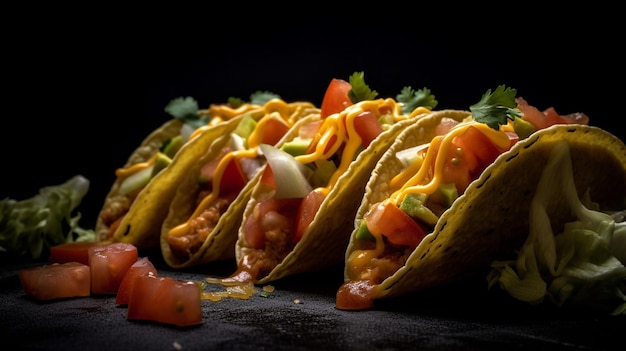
412 99
360 91
495 108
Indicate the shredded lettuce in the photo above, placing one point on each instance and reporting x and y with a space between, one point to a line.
28 228
581 266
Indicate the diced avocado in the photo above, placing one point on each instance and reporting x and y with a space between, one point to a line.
136 181
386 121
171 147
160 163
413 205
323 170
363 233
246 126
297 146
448 193
523 128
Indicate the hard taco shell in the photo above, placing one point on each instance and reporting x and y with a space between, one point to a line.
141 226
490 220
148 147
324 243
220 242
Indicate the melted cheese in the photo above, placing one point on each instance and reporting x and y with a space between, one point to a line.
417 181
338 129
125 172
359 262
218 113
256 136
276 109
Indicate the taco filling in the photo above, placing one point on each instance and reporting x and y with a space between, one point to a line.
304 171
435 174
222 178
158 150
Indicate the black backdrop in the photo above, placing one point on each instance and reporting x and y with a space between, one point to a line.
83 87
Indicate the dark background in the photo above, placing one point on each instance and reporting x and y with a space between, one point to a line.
84 86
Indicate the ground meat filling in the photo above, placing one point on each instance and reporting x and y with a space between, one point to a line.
259 263
387 264
116 208
199 228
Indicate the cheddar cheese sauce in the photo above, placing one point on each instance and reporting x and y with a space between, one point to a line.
289 113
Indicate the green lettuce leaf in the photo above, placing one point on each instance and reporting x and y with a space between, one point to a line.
28 228
581 266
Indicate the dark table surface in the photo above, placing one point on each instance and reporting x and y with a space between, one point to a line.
301 315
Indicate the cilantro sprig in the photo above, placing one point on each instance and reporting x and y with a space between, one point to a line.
186 109
495 108
360 91
259 97
412 99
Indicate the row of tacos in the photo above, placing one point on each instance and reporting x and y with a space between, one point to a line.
406 197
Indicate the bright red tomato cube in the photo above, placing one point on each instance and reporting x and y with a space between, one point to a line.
141 267
76 251
165 300
109 263
56 281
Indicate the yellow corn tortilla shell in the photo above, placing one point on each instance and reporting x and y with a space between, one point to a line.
220 243
141 226
323 244
148 147
490 220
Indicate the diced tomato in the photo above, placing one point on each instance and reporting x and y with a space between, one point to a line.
306 212
109 263
538 118
457 167
267 178
367 126
207 171
113 227
308 130
165 300
393 223
576 118
141 267
56 281
484 150
468 155
268 215
273 129
77 251
445 125
336 97
233 179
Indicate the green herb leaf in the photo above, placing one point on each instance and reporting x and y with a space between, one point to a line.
412 99
235 102
186 109
495 108
261 97
360 91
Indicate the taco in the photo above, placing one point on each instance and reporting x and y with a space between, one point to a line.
205 211
453 193
136 182
303 200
